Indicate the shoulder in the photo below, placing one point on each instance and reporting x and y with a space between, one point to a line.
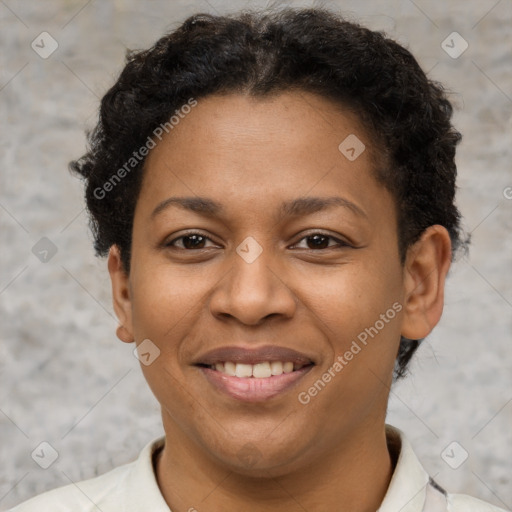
463 503
132 486
86 495
409 476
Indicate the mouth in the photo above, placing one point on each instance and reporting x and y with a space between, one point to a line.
262 370
254 375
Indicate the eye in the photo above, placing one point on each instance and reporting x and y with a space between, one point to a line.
192 240
314 241
321 241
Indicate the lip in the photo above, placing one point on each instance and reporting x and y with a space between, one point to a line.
253 355
250 389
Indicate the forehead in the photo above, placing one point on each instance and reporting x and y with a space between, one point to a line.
300 118
238 148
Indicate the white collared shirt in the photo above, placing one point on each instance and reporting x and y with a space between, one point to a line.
133 488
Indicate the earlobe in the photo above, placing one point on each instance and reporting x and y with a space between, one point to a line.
120 295
124 334
427 264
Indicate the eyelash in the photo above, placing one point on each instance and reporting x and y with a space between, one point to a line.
340 243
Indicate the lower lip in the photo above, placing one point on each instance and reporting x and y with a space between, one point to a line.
250 389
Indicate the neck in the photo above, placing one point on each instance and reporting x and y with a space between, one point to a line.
354 476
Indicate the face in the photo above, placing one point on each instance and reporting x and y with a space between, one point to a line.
265 269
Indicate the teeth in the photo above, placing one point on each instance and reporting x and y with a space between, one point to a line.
261 370
243 370
288 367
258 371
276 367
229 368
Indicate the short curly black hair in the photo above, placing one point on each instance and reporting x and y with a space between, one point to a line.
406 115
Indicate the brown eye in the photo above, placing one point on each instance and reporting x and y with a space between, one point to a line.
319 241
193 241
190 241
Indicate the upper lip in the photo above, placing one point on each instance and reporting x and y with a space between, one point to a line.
253 355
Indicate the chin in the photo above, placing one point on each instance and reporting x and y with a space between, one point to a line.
260 459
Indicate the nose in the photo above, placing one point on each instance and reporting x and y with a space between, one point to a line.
253 292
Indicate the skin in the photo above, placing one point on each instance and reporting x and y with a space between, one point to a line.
250 155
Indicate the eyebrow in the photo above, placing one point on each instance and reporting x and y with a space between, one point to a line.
296 207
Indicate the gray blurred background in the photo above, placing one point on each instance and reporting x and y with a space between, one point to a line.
66 380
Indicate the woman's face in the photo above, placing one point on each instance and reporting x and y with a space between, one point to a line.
293 259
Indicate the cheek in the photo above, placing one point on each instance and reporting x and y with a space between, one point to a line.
353 298
164 299
165 303
359 312
362 313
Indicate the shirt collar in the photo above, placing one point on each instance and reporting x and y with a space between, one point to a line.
142 491
406 491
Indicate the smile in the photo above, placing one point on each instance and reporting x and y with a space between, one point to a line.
253 374
261 370
254 382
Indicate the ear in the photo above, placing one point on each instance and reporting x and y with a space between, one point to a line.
120 295
426 266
